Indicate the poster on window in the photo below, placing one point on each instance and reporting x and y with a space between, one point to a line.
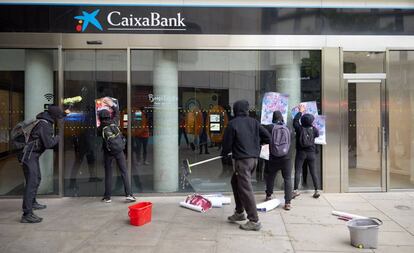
273 101
310 107
319 123
101 105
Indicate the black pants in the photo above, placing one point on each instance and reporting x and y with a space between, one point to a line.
243 189
121 162
141 141
309 157
32 176
273 167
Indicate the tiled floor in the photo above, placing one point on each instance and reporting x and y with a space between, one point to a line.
88 225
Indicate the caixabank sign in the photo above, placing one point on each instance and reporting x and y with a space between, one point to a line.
126 21
204 20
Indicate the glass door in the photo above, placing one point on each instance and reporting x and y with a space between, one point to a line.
365 132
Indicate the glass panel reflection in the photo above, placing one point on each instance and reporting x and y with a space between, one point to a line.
207 85
90 74
364 134
401 119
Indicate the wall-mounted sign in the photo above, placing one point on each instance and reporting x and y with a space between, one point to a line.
204 20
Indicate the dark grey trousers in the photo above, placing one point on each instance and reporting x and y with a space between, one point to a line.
243 189
121 162
32 178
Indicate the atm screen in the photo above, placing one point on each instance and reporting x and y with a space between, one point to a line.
214 127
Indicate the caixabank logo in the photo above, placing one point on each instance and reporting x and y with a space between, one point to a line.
86 19
116 20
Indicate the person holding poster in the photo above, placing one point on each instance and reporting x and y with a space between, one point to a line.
113 146
305 148
279 158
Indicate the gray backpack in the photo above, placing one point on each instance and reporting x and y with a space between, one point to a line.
280 142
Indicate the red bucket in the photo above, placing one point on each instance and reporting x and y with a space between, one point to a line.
140 213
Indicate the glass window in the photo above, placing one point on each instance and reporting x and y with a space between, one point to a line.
364 62
182 102
401 119
90 75
28 83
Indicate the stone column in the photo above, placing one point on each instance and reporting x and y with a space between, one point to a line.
166 165
288 82
38 82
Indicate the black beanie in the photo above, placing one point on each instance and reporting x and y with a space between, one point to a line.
55 112
277 117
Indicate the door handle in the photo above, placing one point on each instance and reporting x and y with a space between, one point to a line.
378 139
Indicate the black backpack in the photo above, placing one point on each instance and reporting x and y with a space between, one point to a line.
280 142
114 141
20 134
306 137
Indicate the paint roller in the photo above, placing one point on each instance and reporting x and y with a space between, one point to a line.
186 169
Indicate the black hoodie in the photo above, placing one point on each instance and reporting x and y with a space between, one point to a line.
306 120
243 134
44 132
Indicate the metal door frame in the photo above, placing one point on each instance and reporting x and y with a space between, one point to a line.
364 78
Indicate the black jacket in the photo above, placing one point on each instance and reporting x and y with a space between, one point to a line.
243 134
306 121
44 132
108 121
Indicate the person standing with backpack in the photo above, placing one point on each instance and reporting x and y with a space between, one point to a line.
305 149
242 138
113 146
279 158
37 136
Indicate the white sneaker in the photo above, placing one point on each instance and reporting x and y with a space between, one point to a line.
107 200
131 198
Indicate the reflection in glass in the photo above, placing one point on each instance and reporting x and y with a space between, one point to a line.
28 79
401 119
364 134
209 82
90 74
364 62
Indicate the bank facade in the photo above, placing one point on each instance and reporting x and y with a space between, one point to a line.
176 70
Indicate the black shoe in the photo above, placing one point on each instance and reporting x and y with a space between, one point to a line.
207 153
268 198
30 218
37 206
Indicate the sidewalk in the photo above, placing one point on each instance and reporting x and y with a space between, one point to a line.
88 225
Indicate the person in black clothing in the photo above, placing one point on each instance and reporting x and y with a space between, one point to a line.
41 138
105 118
279 163
203 135
242 138
305 154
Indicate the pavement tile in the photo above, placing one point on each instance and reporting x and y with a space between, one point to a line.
47 241
344 197
352 207
194 246
300 215
188 233
395 207
386 196
120 232
315 237
262 243
396 249
93 248
395 238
